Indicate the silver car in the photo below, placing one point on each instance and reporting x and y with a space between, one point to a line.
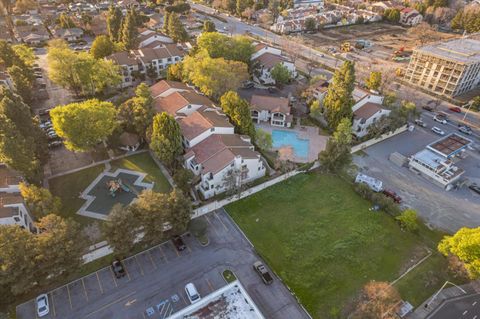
42 305
438 131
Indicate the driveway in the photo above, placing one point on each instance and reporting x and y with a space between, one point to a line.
155 280
439 208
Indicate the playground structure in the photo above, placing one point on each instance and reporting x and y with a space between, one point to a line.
115 185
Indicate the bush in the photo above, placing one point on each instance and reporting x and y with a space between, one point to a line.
385 203
408 220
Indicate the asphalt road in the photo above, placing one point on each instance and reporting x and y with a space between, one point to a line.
467 307
155 281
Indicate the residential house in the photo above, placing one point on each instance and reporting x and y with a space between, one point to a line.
70 35
165 87
319 90
307 3
152 39
156 21
365 115
410 17
265 59
223 162
274 110
129 67
33 35
181 103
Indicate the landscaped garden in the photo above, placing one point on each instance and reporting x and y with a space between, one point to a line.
322 239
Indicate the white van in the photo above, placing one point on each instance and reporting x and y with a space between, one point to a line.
192 293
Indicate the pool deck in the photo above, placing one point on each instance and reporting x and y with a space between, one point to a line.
317 142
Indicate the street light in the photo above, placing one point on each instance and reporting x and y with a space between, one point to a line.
468 110
439 290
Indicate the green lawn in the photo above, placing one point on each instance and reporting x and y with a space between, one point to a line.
68 187
319 236
143 162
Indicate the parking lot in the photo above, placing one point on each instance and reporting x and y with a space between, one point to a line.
155 279
446 210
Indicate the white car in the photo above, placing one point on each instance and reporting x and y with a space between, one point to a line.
438 131
439 119
192 293
42 305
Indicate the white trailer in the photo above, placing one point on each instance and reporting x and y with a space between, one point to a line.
373 183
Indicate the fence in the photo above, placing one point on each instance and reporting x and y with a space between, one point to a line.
382 137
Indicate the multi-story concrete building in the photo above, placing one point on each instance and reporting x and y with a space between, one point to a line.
448 68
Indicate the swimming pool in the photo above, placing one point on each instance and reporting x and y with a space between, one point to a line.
287 138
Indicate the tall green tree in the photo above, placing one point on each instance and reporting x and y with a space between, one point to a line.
166 20
24 53
264 139
209 26
337 153
65 22
114 22
175 29
85 124
374 81
338 101
121 229
136 114
39 200
280 74
237 48
22 80
166 139
129 30
102 47
465 245
238 110
180 211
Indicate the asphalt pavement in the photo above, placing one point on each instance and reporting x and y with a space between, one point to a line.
155 279
467 307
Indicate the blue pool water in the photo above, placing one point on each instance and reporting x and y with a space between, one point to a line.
286 138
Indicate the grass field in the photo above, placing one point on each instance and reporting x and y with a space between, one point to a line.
320 237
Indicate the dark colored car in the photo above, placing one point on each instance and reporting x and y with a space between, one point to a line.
389 193
118 269
272 89
465 129
178 242
455 109
427 108
475 188
263 272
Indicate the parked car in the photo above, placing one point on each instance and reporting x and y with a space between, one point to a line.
272 89
42 305
427 108
440 119
248 85
389 193
475 188
438 131
455 109
420 123
263 272
192 293
54 144
44 112
118 269
178 242
465 129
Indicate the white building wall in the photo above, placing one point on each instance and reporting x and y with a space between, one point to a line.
364 126
23 219
207 133
266 50
372 98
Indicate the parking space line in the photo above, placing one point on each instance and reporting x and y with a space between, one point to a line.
184 300
174 248
69 298
126 271
113 276
84 289
220 220
141 268
99 283
209 284
53 305
163 254
109 304
214 228
151 259
189 250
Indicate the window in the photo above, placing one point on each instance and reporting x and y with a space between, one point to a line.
16 219
212 129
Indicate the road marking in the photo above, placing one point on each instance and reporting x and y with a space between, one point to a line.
99 283
84 289
163 254
474 303
189 250
113 276
69 298
465 312
216 215
474 317
53 305
126 271
151 259
214 228
209 284
184 300
141 269
109 304
174 248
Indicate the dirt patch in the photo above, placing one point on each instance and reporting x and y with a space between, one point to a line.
418 253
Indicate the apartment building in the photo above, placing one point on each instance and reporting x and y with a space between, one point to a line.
447 68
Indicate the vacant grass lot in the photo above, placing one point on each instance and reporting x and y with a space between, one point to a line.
319 236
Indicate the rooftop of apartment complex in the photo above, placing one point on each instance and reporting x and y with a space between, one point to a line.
464 50
449 145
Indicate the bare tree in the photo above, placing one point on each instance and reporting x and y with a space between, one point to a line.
378 300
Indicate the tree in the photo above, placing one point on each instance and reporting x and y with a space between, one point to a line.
408 220
374 81
315 109
237 48
378 300
337 153
136 114
40 201
280 74
467 19
174 72
238 110
59 247
166 139
338 101
465 245
129 30
183 178
392 15
180 212
214 77
102 47
424 32
264 139
209 26
22 80
121 229
24 53
475 104
175 29
83 125
166 20
310 24
65 22
114 22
